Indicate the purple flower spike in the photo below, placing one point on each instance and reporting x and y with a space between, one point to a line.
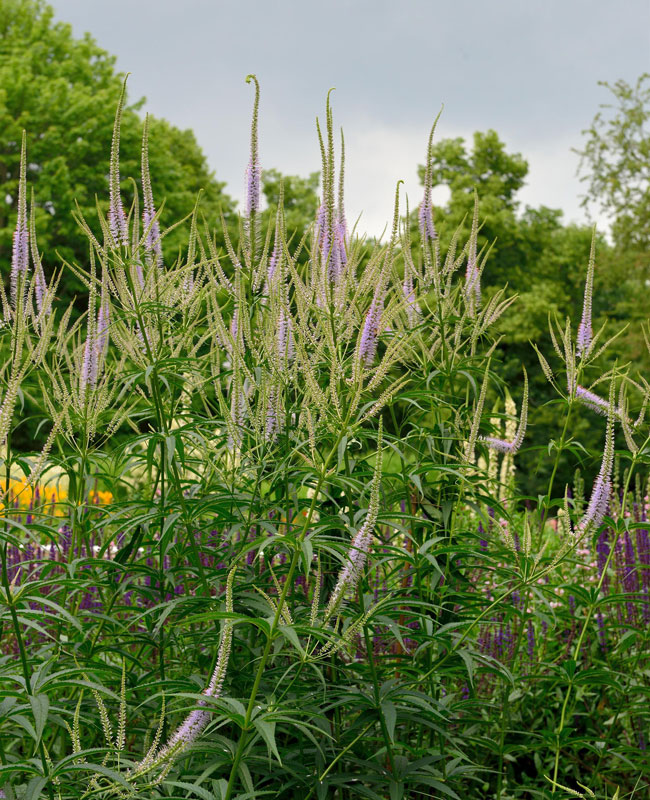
473 273
369 337
152 242
425 217
425 213
253 170
117 223
602 488
512 447
102 328
253 183
20 248
585 332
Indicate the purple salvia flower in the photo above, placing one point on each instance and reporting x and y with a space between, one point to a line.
530 635
643 554
369 336
512 447
602 554
630 577
117 223
602 636
20 247
585 332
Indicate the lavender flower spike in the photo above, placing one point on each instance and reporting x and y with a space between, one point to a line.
360 546
253 170
425 213
116 216
152 245
369 337
512 447
601 491
585 332
20 249
192 726
473 274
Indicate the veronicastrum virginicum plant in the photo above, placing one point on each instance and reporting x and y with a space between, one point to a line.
290 433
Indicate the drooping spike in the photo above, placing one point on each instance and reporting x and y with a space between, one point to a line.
117 223
602 488
513 446
20 249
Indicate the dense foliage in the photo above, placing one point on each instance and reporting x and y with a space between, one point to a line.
274 545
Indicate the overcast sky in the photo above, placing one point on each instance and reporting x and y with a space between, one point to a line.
527 68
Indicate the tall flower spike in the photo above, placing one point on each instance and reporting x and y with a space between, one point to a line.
473 275
253 174
20 249
342 225
585 332
277 240
42 300
362 541
116 215
513 446
90 363
425 213
338 256
152 242
602 488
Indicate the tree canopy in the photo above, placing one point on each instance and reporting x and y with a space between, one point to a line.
63 91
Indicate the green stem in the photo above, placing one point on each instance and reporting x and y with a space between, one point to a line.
243 739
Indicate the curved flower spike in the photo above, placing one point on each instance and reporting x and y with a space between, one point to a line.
512 447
